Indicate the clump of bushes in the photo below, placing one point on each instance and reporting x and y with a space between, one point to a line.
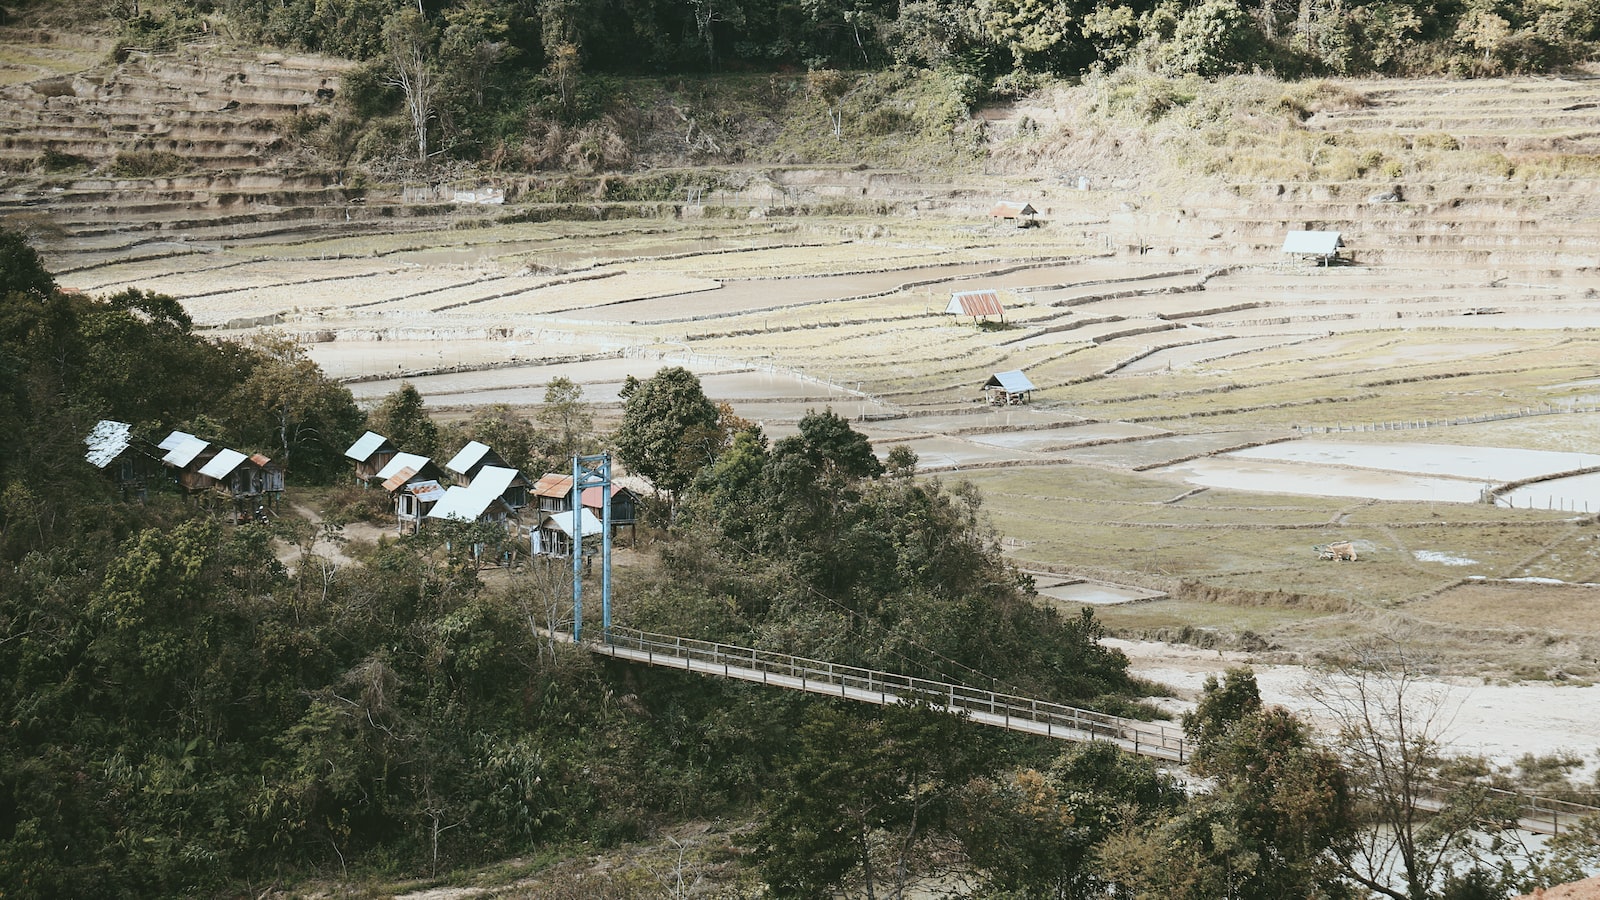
147 164
55 161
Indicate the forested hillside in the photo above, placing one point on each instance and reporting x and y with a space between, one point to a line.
551 84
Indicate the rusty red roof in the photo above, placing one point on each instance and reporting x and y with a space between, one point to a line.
975 303
552 484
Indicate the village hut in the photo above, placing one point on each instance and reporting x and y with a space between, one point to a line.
1323 245
977 304
553 493
476 503
403 478
371 453
251 483
624 506
1008 388
171 441
479 502
474 458
187 456
554 536
112 448
1019 212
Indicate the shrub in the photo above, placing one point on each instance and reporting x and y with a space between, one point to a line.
53 161
147 164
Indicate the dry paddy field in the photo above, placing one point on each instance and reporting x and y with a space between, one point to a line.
1196 429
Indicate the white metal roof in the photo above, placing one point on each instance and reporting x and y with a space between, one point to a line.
107 441
470 502
365 446
493 480
174 439
1013 381
185 452
224 462
467 458
459 503
1318 243
563 522
402 461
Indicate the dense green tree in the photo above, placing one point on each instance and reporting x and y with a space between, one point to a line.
1271 825
567 420
1033 833
1213 38
286 405
669 430
21 270
402 417
856 786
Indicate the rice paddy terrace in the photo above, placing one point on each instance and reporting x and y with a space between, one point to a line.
1206 411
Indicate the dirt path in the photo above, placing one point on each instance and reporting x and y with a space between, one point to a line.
331 550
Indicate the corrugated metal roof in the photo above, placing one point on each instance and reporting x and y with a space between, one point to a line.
469 456
1013 381
1318 243
493 480
426 491
594 496
223 463
398 480
107 441
260 459
410 461
459 503
471 502
975 303
365 446
172 440
563 522
184 453
552 484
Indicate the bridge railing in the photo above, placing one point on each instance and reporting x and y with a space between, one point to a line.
853 682
1545 815
1542 814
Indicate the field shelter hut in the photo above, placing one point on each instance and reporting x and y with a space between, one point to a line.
1019 212
977 304
476 458
1008 388
127 461
371 452
1322 245
477 503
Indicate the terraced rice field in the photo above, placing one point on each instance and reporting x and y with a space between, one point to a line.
1205 410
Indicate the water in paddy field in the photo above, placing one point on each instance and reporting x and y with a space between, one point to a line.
1261 476
1578 493
1402 472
